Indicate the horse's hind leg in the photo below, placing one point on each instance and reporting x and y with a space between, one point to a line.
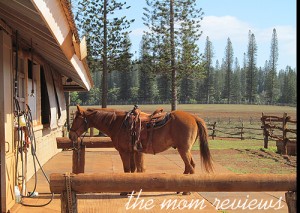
192 162
189 165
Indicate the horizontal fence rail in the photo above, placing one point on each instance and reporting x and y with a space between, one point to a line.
88 142
235 130
96 183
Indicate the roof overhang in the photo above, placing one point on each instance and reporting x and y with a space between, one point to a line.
49 27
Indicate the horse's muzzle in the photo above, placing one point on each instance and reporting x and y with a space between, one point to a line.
73 136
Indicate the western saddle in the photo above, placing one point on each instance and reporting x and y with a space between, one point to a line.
140 122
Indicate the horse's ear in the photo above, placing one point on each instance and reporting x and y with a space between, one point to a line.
80 109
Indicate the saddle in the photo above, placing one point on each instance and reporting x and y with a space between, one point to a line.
140 122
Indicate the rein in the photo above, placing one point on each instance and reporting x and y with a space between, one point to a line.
85 123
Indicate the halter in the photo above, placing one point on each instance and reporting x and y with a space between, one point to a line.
85 123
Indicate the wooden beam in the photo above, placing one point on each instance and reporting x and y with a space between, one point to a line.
128 182
88 142
78 160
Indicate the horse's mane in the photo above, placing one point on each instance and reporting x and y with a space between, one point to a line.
104 115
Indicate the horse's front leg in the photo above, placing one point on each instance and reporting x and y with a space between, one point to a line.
126 160
132 162
139 161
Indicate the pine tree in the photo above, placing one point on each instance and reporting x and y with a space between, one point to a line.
218 82
105 32
228 63
289 86
236 82
271 76
124 67
160 16
208 68
251 70
243 78
146 77
164 85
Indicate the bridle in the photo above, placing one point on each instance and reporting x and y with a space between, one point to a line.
85 123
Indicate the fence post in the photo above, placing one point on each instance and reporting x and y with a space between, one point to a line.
91 131
214 130
78 159
284 138
291 201
242 131
64 202
265 131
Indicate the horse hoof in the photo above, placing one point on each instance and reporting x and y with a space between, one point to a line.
186 193
126 193
123 193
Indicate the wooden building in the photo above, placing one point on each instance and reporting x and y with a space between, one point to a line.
41 58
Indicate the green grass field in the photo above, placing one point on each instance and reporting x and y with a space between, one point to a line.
237 144
214 110
229 117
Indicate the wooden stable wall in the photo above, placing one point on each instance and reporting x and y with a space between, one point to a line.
45 136
7 159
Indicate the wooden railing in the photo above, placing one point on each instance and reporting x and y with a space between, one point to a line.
278 128
69 185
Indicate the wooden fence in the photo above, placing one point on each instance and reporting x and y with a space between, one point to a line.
69 185
282 129
234 130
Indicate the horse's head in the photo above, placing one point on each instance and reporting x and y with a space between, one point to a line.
79 125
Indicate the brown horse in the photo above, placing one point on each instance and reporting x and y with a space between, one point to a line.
180 131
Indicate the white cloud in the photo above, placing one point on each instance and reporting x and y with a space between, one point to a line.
219 28
222 27
138 31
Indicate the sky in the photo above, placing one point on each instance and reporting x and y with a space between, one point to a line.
233 19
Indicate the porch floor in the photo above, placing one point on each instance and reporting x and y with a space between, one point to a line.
108 161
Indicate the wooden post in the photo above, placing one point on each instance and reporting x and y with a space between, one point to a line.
284 138
242 131
291 201
214 130
68 109
78 160
91 131
64 202
265 131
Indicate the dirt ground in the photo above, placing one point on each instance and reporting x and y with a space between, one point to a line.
250 160
255 161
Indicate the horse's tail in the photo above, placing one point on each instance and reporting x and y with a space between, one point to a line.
206 158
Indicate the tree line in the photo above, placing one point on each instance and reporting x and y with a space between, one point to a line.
171 68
